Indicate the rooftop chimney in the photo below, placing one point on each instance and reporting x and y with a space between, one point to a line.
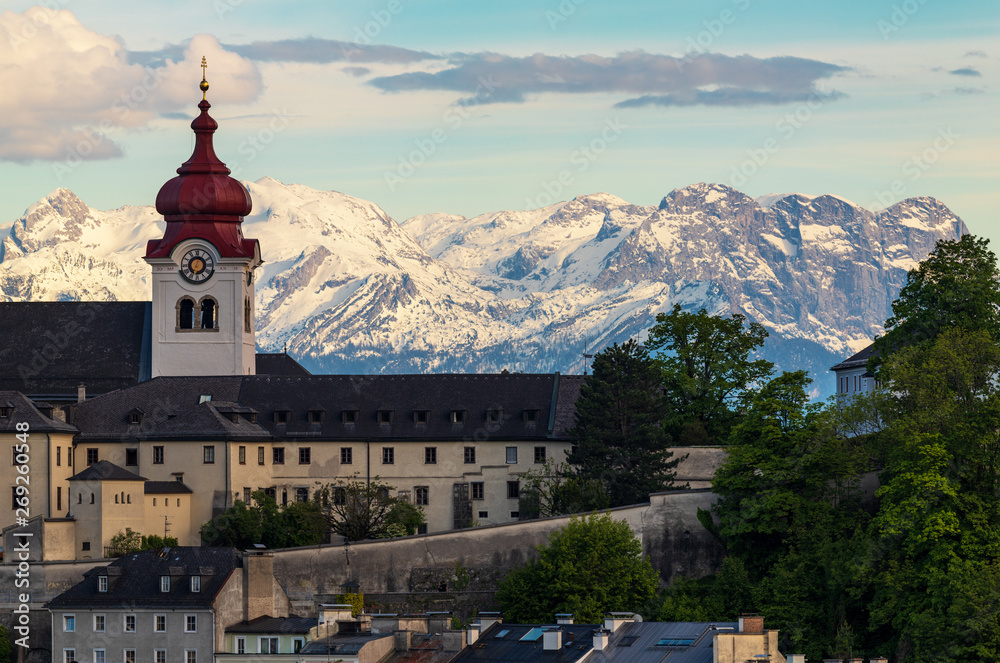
751 624
601 637
616 619
453 640
796 658
564 618
488 619
552 639
401 640
472 633
81 393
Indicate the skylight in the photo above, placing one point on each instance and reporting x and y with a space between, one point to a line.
532 635
501 634
675 642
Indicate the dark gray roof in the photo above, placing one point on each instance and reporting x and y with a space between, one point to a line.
23 410
278 363
137 581
49 348
165 488
496 645
644 637
172 410
340 644
855 361
267 625
105 470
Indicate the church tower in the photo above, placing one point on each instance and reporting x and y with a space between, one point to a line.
203 268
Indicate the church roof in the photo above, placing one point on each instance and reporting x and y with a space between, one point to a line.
106 471
534 406
279 363
48 349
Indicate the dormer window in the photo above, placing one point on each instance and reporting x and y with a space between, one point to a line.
281 416
195 584
532 416
204 398
164 583
458 416
494 416
385 416
252 417
5 412
135 416
315 416
234 417
349 416
102 583
421 416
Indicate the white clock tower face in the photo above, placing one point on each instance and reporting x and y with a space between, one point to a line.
197 265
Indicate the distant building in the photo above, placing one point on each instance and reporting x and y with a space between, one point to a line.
163 606
852 374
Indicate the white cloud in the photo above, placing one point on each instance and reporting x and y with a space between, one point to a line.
67 88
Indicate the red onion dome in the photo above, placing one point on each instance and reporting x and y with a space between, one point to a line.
203 200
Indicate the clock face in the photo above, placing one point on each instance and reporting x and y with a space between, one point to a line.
197 265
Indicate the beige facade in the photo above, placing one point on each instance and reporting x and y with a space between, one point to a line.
47 479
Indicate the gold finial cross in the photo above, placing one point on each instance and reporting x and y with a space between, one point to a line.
204 80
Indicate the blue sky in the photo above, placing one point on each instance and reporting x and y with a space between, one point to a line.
470 107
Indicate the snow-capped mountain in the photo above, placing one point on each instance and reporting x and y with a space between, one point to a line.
350 290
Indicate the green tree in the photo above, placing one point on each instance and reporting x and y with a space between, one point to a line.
956 286
556 490
6 645
591 566
264 522
358 509
707 373
618 436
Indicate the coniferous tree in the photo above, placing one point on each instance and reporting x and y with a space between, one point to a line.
618 435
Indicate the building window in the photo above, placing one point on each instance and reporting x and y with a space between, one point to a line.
281 416
246 494
69 623
339 496
164 583
349 416
298 644
260 455
102 583
305 456
301 494
539 454
129 624
243 455
278 455
247 328
190 623
159 656
478 490
185 313
484 514
99 623
430 455
85 546
515 515
99 656
494 416
422 495
421 416
92 456
385 416
513 490
131 457
470 455
209 313
209 455
157 455
458 416
190 656
241 644
388 455
346 456
512 455
69 655
59 499
58 456
532 416
129 655
160 623
195 584
315 416
268 645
